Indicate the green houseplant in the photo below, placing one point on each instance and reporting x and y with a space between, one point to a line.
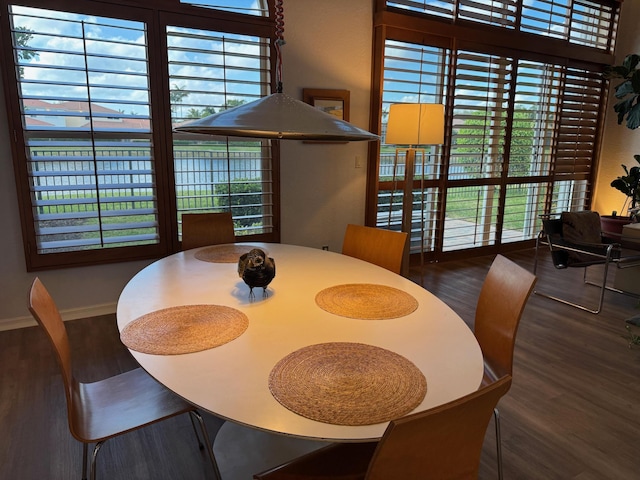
628 109
628 94
628 184
627 91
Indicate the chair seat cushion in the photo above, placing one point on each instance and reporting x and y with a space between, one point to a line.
583 230
581 227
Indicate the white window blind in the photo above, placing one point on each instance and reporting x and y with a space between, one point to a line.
84 98
210 72
412 74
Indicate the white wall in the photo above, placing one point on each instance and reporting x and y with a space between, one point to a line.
322 190
619 143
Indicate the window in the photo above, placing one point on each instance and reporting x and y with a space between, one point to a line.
522 126
86 116
208 73
101 174
249 7
582 22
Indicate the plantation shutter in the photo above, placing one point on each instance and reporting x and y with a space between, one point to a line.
578 123
412 73
511 119
209 72
86 116
582 22
93 93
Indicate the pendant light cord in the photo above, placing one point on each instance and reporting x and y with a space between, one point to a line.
279 10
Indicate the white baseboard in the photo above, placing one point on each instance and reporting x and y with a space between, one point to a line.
71 314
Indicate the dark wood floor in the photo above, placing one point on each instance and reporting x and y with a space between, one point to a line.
572 413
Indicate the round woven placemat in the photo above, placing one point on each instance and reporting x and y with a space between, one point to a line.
347 383
184 329
366 301
223 253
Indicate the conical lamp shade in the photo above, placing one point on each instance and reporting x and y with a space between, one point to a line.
277 116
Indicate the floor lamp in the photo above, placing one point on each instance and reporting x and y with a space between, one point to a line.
410 126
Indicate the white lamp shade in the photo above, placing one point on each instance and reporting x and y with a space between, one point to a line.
415 124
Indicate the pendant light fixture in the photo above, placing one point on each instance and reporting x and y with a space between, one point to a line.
277 116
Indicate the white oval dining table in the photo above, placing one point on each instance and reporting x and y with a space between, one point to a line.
231 380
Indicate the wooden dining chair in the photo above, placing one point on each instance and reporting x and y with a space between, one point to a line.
107 408
503 296
385 248
442 443
202 229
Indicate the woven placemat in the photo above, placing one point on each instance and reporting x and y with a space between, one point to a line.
184 329
347 383
224 253
366 301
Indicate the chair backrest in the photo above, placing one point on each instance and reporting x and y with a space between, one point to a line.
444 442
46 313
384 248
202 229
502 299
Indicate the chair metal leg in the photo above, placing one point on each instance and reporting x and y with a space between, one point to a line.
602 285
205 443
206 440
85 448
92 470
496 416
195 430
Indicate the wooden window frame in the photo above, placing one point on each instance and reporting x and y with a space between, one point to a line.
167 229
420 29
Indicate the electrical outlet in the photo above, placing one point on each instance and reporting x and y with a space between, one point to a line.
325 247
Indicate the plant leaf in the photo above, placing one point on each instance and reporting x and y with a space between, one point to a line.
615 71
631 61
633 117
622 108
625 88
621 185
635 82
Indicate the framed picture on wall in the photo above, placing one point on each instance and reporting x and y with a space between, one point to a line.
333 102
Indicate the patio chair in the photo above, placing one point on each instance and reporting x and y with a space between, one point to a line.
575 240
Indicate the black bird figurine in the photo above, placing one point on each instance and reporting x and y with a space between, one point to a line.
257 270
